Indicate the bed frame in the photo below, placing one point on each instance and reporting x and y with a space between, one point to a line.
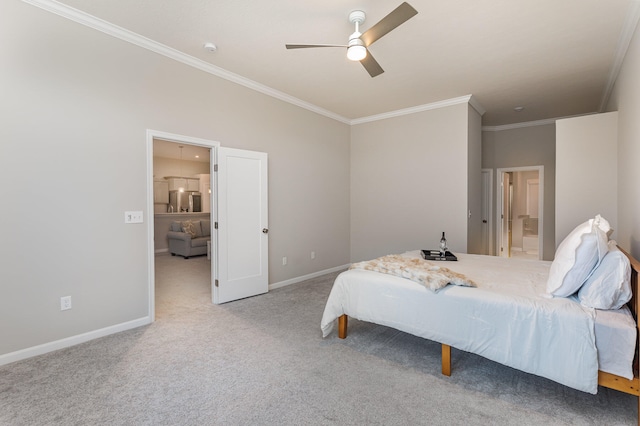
606 380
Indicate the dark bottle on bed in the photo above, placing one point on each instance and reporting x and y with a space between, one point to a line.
443 246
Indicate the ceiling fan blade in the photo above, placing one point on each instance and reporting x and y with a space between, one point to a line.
371 65
304 46
397 17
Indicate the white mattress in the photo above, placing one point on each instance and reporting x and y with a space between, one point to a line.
507 318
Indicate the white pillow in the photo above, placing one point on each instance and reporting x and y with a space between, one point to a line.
609 287
603 224
577 256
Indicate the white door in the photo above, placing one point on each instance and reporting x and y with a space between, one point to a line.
505 217
532 197
242 240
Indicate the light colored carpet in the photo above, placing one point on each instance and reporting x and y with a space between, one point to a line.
262 361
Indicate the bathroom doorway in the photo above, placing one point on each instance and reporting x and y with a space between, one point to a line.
520 212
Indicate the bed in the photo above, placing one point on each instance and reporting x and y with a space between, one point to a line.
507 317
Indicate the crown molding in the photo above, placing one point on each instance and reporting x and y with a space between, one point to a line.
476 105
129 36
519 125
52 6
467 99
544 122
108 28
626 34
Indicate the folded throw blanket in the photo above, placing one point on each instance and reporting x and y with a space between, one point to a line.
434 277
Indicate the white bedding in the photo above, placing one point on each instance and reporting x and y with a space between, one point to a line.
616 341
507 318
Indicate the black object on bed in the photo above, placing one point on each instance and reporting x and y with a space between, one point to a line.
435 255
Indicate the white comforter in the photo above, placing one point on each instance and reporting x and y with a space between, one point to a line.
508 320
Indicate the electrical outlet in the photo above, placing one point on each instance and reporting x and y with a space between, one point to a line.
65 303
313 255
284 261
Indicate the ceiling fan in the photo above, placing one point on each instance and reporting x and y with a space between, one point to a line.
357 48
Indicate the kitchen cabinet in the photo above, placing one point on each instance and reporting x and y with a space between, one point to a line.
161 192
193 184
188 184
175 183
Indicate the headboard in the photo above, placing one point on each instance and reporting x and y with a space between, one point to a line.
635 299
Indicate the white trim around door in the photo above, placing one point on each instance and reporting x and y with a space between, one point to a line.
170 137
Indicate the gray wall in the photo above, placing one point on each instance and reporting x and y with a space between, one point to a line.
586 175
409 182
474 182
626 100
526 146
76 104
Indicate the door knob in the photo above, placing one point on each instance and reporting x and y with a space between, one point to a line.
484 221
265 231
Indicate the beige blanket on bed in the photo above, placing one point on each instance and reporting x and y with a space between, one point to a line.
434 277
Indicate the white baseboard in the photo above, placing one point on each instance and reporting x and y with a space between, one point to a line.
71 341
164 250
307 277
85 337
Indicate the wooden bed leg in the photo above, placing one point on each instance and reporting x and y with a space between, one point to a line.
342 326
446 360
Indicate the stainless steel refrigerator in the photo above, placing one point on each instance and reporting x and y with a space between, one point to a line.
187 201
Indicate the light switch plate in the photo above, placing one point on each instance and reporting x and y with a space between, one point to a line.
133 217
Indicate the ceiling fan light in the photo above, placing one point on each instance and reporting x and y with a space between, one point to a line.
356 53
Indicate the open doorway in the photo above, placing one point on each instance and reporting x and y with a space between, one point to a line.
171 157
182 195
520 212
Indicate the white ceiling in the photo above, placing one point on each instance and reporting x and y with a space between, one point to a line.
165 149
554 57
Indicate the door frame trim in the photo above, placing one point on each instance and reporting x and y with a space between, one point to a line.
169 137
